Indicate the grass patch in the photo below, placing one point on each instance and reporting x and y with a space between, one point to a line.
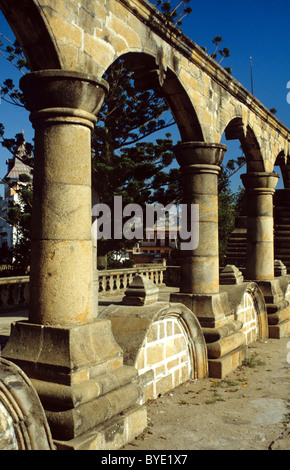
252 361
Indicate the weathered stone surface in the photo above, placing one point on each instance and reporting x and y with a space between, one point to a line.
23 424
199 271
231 275
136 328
279 268
260 187
141 291
88 36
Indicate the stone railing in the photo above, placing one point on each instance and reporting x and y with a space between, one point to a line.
113 281
14 291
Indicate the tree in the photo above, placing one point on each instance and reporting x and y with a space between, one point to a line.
124 161
174 14
19 216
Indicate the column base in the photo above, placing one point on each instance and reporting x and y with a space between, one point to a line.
223 366
212 310
78 373
224 340
278 309
111 435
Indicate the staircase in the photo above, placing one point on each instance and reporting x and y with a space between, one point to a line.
237 243
282 226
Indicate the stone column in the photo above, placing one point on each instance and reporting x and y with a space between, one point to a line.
199 286
260 267
200 165
63 107
72 359
260 188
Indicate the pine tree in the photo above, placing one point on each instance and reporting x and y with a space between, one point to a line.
124 161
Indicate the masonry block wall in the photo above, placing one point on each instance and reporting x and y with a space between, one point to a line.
247 314
164 341
165 359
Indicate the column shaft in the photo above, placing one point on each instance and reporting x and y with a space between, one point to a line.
61 276
200 166
260 188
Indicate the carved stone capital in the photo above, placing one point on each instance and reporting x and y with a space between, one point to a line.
199 153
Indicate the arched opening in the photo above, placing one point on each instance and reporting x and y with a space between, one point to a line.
143 117
243 156
33 33
235 130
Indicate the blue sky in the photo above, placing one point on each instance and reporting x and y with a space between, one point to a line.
249 28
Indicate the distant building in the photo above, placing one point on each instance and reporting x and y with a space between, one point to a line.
11 182
154 249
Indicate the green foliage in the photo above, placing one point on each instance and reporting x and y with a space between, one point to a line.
124 161
13 53
174 11
230 204
19 216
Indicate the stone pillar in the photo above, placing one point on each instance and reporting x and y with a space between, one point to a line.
260 187
200 165
72 359
63 107
199 285
260 267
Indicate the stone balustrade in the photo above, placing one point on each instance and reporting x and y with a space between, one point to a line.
112 281
14 291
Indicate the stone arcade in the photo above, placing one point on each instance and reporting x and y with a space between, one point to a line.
89 386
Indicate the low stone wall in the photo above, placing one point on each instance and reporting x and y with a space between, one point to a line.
163 341
14 291
112 281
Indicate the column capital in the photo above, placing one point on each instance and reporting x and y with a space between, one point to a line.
260 182
51 93
199 153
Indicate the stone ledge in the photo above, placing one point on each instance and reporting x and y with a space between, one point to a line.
221 367
111 435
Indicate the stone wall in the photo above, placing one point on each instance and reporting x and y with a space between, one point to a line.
247 314
88 36
165 359
14 291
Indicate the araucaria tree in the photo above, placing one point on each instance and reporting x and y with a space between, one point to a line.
129 158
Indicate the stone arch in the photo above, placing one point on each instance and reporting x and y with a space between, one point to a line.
283 162
23 424
248 303
236 129
32 30
164 341
149 74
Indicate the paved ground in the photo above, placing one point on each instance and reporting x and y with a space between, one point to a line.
249 410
